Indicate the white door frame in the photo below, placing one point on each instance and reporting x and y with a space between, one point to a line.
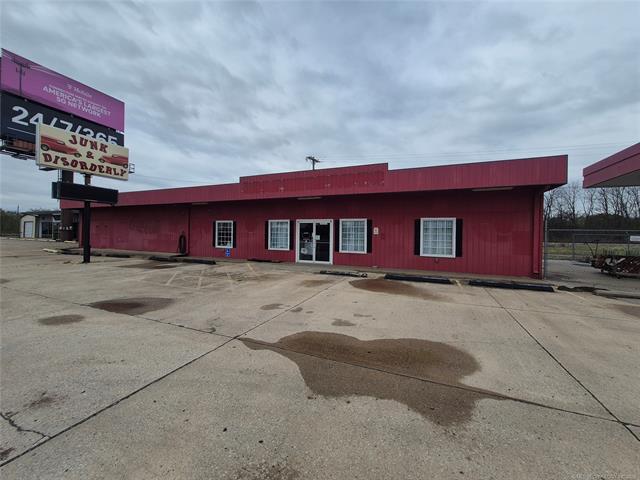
314 221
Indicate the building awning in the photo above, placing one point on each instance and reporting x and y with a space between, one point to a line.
622 169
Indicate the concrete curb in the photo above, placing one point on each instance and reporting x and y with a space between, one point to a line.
342 273
418 278
611 294
536 287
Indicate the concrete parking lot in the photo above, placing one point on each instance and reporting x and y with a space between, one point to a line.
129 368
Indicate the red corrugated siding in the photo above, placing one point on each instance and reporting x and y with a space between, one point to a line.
364 179
501 236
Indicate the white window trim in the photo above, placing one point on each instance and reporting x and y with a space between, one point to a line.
453 237
325 221
340 249
288 235
232 232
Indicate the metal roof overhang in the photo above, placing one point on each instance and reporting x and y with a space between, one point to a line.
540 172
622 169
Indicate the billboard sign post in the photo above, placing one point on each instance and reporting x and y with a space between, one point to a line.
59 149
71 126
63 150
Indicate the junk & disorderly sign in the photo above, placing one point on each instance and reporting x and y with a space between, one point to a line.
59 149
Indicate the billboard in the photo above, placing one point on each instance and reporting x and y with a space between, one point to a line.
28 79
59 149
19 117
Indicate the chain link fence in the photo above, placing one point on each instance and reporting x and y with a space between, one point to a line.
583 244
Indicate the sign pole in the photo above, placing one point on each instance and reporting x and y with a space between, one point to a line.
66 214
86 226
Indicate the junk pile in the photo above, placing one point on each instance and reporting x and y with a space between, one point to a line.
618 265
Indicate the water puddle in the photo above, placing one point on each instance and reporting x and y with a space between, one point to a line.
272 306
339 322
133 306
408 357
61 320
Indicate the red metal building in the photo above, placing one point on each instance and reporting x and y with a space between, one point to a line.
483 218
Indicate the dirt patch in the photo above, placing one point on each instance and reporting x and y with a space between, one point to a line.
133 306
42 401
339 322
315 283
150 265
393 287
407 357
5 452
297 310
61 319
633 310
272 306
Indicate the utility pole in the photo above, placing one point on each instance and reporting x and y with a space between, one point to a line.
86 226
313 161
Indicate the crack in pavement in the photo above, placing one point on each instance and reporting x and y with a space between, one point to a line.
47 438
556 360
471 389
19 428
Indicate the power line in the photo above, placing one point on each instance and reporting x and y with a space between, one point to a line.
408 157
484 152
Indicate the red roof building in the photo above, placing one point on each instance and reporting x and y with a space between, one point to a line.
483 218
622 169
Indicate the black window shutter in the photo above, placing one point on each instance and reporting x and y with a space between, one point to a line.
416 237
369 235
214 234
233 243
292 232
336 236
266 235
458 237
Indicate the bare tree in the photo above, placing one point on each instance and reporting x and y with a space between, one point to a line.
588 199
603 201
550 201
633 201
569 200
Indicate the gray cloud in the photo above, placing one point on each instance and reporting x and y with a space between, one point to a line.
216 90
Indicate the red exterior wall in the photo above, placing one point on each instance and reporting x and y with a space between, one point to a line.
502 231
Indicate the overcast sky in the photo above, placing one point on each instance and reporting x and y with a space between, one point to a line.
218 90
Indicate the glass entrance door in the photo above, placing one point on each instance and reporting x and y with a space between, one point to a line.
315 241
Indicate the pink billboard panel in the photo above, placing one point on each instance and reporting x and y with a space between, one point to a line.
28 79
